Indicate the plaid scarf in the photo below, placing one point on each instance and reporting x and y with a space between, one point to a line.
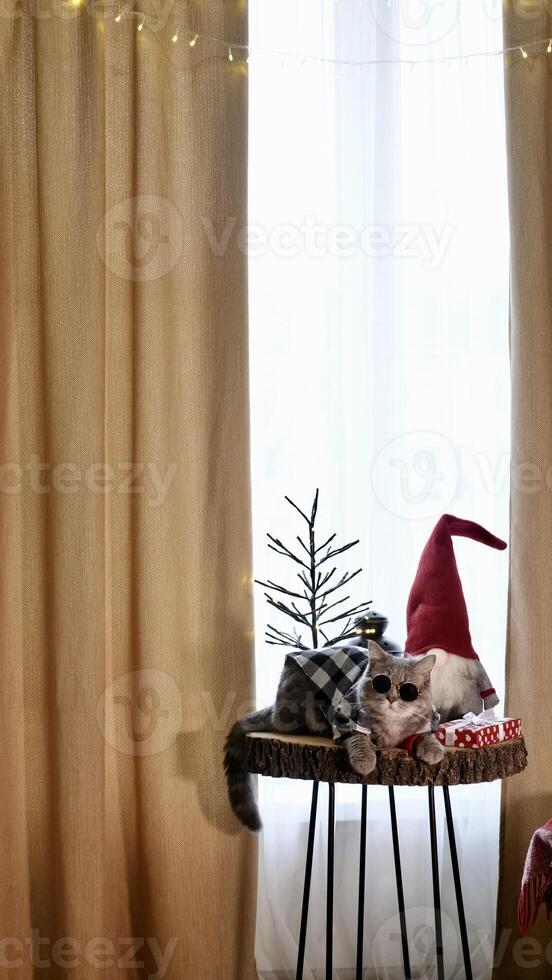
334 673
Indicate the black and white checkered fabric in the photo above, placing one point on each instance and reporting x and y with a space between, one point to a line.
334 673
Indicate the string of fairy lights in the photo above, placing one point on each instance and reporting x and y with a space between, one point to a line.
244 52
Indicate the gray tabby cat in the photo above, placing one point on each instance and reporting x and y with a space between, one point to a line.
299 708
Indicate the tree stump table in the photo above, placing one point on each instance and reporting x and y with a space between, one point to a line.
322 760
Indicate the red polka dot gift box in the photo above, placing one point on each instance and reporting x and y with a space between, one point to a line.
477 731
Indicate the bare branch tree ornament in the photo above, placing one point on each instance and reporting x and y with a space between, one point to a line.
312 605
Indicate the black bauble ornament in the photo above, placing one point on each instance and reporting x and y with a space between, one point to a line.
372 626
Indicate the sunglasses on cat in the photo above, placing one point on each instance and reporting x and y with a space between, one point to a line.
382 685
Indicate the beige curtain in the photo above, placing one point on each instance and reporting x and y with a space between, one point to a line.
125 612
527 799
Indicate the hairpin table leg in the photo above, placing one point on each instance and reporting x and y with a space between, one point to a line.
306 886
398 875
457 885
361 884
436 886
330 882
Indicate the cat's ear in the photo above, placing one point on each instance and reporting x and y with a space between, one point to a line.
424 666
378 657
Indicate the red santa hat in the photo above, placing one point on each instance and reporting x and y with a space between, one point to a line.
436 613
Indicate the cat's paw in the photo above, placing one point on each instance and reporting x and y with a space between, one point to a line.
362 755
490 701
429 750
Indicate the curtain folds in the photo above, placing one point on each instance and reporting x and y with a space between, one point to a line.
124 499
527 800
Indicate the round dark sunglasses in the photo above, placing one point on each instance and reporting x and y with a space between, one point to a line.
382 684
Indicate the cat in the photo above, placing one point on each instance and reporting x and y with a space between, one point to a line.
302 708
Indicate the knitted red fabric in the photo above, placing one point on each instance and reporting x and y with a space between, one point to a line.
436 613
536 886
409 743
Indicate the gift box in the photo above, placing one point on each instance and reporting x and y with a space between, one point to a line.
476 731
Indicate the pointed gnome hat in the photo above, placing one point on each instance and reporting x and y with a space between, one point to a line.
436 613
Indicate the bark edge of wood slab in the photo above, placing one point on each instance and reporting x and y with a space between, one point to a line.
322 760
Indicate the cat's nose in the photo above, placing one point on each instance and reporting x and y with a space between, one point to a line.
391 697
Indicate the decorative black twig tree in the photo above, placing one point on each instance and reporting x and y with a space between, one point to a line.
317 594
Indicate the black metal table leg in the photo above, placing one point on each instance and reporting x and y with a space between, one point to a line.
436 886
458 885
400 891
361 884
330 882
306 886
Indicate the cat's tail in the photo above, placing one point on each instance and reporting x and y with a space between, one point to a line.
239 780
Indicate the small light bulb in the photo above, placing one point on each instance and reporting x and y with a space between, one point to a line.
549 48
524 52
118 18
175 38
141 24
230 55
194 41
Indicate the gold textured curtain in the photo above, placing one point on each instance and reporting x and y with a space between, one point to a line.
125 612
527 799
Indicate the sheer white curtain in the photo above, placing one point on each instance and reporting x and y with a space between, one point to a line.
379 373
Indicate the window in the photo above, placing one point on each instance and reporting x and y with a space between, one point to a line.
379 373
